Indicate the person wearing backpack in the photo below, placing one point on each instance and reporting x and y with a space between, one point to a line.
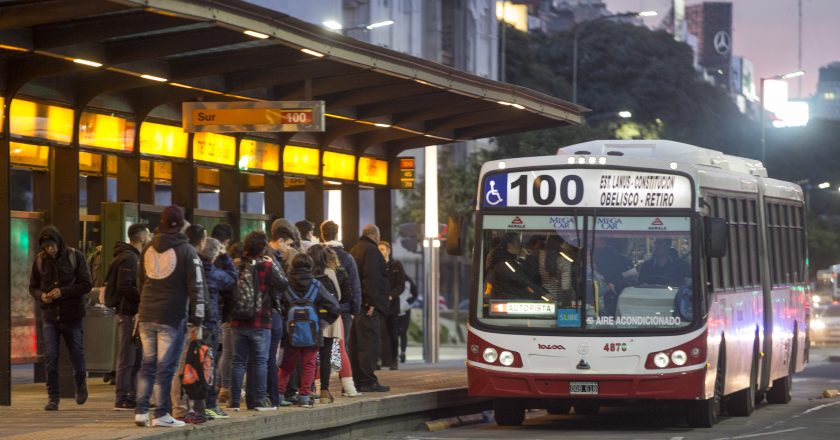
123 294
258 288
58 281
308 307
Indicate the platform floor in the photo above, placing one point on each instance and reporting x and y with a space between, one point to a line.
416 386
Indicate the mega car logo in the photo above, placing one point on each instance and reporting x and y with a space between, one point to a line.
550 347
517 223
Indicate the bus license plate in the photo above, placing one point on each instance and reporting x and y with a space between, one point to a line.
583 387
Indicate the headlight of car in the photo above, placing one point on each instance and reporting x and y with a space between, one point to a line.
817 324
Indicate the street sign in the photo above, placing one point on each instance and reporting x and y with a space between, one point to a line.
256 116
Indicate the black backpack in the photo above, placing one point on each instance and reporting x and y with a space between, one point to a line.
198 376
246 294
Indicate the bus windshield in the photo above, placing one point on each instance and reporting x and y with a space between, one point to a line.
586 272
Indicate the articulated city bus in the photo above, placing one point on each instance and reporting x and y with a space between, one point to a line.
619 271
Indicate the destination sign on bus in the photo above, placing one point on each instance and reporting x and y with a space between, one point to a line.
586 188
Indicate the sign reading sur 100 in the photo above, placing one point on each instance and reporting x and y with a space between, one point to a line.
586 188
245 116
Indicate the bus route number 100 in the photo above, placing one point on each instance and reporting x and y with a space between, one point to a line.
544 189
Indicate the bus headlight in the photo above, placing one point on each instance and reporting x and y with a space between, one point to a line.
679 357
506 358
660 360
490 355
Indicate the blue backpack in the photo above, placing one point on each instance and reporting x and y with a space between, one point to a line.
302 323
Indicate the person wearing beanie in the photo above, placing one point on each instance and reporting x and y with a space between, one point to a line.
58 281
300 279
172 296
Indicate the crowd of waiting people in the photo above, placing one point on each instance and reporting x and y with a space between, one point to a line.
179 284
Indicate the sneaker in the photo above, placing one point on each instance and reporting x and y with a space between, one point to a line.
375 387
265 405
216 413
305 402
285 402
194 418
52 405
233 408
125 406
354 393
82 393
402 358
166 421
224 395
142 420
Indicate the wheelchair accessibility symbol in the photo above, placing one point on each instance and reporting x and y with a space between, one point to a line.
495 190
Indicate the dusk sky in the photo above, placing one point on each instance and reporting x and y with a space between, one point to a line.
765 31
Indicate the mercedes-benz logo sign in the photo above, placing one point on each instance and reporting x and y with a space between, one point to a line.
723 42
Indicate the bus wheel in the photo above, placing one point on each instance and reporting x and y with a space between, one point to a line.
704 413
742 403
559 408
508 412
587 408
782 387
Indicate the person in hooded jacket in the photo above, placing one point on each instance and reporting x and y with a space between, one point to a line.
125 265
172 296
59 280
300 279
351 301
218 280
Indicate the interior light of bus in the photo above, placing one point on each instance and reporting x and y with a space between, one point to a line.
506 358
592 160
679 358
660 360
602 160
490 355
571 160
510 267
581 160
568 258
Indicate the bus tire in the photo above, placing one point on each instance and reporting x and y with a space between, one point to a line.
587 408
704 413
782 389
508 412
742 403
559 408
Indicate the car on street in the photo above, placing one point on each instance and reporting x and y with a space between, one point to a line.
825 325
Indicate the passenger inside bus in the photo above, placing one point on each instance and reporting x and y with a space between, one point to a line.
612 265
665 266
509 275
554 266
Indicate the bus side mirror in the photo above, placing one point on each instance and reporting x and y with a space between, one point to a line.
717 233
454 236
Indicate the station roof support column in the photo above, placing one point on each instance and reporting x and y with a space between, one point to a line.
382 212
349 215
5 265
314 200
230 190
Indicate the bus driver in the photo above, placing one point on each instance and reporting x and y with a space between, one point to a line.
665 266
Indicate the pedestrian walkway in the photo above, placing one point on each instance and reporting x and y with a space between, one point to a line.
415 388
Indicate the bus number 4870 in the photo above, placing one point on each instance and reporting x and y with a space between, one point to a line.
618 346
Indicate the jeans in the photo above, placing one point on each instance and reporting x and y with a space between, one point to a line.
73 336
226 359
276 337
129 357
364 348
162 346
253 343
291 356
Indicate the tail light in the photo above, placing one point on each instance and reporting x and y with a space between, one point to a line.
690 353
479 350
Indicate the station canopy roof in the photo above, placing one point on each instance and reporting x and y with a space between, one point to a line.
158 53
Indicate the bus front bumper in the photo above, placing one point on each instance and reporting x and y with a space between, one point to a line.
664 386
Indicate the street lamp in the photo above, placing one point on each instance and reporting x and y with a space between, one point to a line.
580 26
338 27
761 109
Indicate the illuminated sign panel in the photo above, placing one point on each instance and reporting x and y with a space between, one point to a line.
163 140
514 15
301 160
145 168
254 182
206 177
41 121
107 132
266 116
163 171
90 163
2 109
339 166
406 173
215 148
29 155
373 171
255 155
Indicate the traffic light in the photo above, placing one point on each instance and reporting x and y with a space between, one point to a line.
410 236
